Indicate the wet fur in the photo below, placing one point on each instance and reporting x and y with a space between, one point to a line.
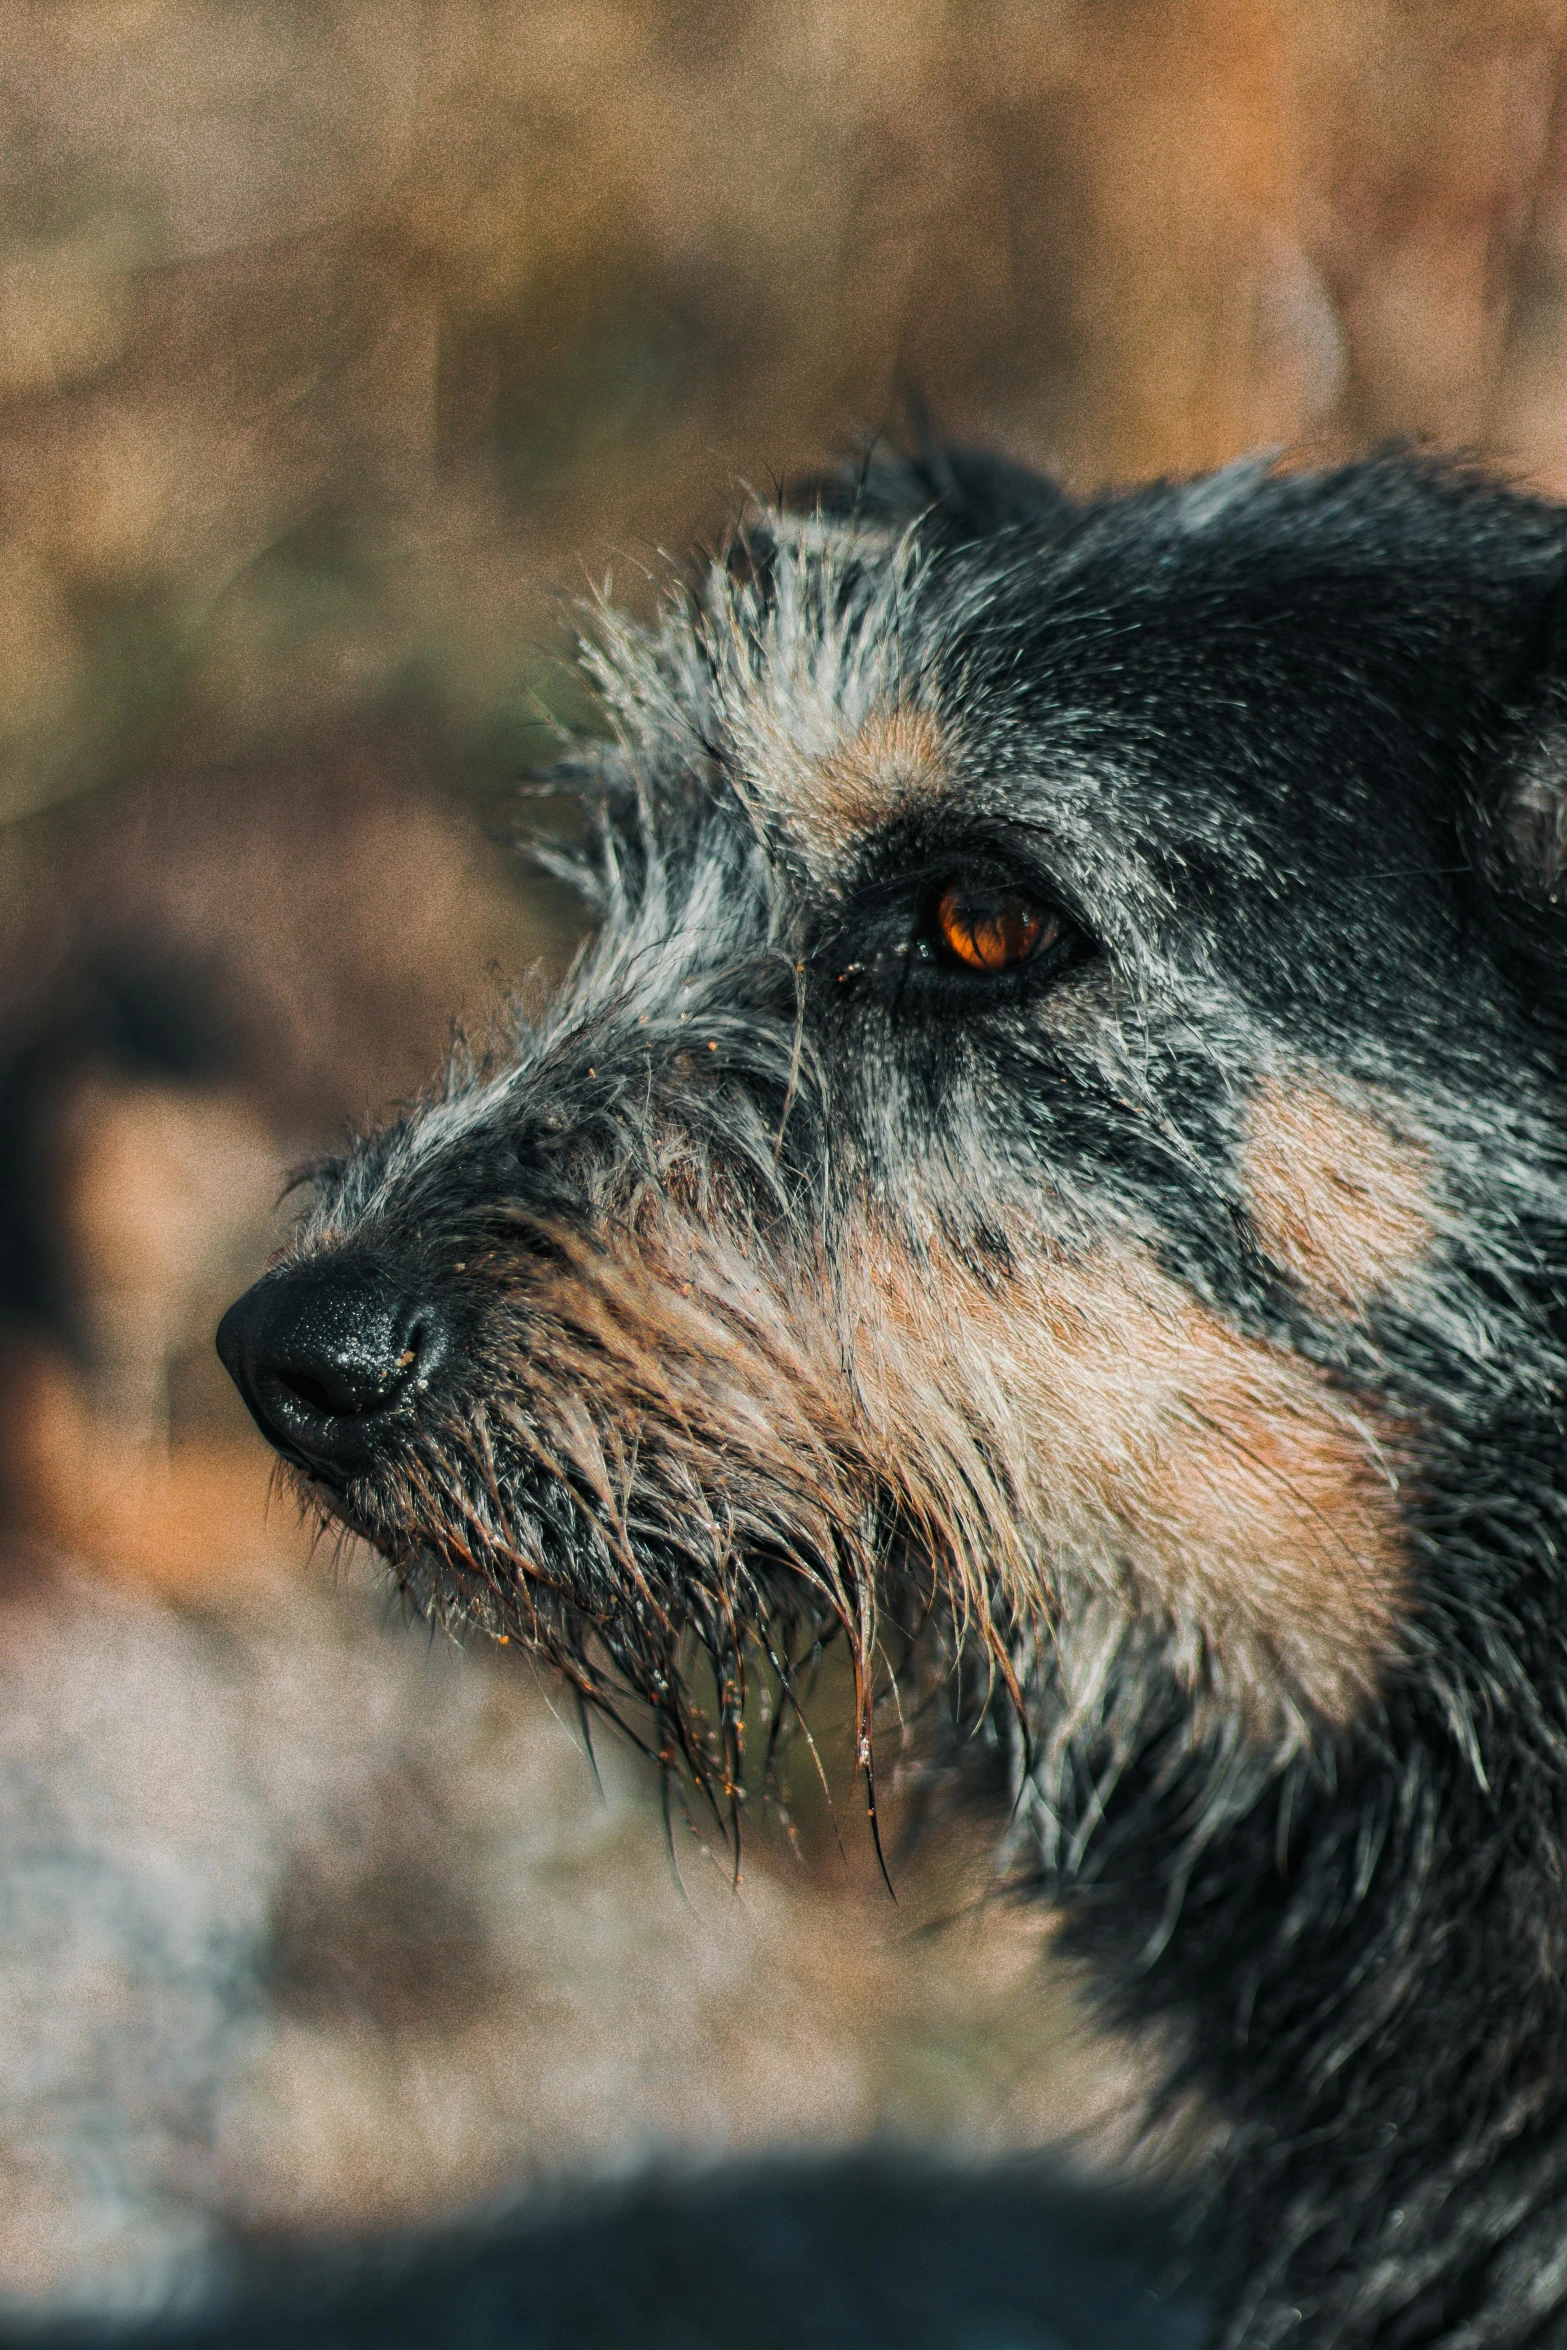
1166 1344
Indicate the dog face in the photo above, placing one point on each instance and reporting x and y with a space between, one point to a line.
1052 1120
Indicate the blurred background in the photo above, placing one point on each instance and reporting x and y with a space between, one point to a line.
343 344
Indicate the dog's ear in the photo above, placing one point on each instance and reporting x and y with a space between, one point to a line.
1518 822
1529 818
952 498
1513 826
1523 812
955 496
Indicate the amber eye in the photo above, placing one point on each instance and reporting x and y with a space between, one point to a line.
992 929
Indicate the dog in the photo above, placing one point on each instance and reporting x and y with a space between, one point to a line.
1053 1171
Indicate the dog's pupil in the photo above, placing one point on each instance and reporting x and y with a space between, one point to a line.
990 929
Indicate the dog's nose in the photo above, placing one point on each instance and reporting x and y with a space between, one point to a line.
327 1354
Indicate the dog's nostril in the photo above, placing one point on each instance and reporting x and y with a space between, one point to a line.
337 1398
323 1351
309 1391
345 1371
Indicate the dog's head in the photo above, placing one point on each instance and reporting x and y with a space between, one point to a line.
1057 1117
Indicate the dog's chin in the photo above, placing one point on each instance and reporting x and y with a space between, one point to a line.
343 1512
464 1586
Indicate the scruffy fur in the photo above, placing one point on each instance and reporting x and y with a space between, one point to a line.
1165 1336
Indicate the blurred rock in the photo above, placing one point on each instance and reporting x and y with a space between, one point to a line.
311 1927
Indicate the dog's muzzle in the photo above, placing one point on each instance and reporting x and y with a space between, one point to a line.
331 1357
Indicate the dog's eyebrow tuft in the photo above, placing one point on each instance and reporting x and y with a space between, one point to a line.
897 762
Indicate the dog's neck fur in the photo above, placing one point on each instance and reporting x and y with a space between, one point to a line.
1359 1958
1390 2077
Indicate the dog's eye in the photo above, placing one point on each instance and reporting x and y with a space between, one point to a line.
988 929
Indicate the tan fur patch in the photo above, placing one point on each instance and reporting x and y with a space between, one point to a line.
1337 1199
894 762
1081 1431
1102 1434
898 759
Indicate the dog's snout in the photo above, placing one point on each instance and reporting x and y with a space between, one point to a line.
326 1355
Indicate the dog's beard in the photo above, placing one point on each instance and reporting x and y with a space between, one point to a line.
701 1648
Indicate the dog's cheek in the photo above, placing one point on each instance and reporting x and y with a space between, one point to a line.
1268 1527
1085 1428
1336 1198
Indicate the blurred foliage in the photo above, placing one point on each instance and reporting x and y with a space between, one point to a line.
341 341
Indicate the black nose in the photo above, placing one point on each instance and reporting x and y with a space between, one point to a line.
329 1355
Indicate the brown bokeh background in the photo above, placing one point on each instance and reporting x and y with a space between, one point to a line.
343 343
339 339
